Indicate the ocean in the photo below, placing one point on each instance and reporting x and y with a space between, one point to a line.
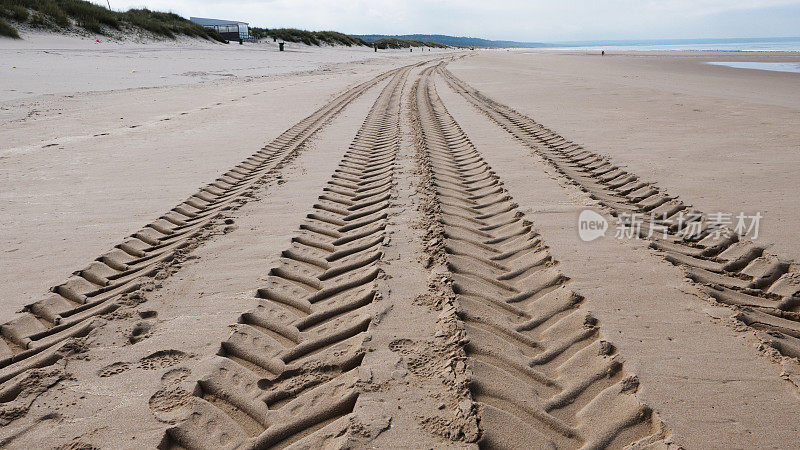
793 67
783 44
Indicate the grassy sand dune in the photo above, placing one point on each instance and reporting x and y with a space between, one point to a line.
59 15
335 38
307 37
64 15
404 43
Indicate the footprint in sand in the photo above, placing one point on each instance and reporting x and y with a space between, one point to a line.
167 402
158 360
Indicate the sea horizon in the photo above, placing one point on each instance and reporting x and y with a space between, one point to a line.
764 44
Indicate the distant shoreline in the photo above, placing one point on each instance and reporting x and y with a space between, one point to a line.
730 44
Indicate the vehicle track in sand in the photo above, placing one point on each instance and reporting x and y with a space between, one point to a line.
289 373
733 271
35 338
541 374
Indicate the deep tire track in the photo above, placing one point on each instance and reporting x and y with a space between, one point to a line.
542 375
70 309
734 271
289 372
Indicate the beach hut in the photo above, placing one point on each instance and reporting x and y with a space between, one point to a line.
231 30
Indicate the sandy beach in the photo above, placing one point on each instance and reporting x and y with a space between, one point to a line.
699 131
109 155
209 245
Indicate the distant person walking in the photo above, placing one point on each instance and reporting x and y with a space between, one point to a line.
602 53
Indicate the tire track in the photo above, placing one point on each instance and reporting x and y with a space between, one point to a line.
289 373
541 374
35 339
737 272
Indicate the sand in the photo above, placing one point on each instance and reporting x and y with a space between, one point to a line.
108 161
702 132
665 327
396 270
54 64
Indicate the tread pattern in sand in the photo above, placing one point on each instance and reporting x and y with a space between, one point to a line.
32 339
542 375
289 373
737 272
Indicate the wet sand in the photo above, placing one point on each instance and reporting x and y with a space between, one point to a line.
723 139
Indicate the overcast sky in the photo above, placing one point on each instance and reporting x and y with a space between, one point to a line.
520 20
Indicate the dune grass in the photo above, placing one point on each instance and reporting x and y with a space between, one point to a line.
396 43
306 37
17 13
168 24
61 14
7 30
335 38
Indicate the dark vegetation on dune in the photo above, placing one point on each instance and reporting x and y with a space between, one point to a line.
7 30
334 38
404 43
453 41
306 37
63 14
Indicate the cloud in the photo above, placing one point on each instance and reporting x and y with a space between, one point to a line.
532 20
